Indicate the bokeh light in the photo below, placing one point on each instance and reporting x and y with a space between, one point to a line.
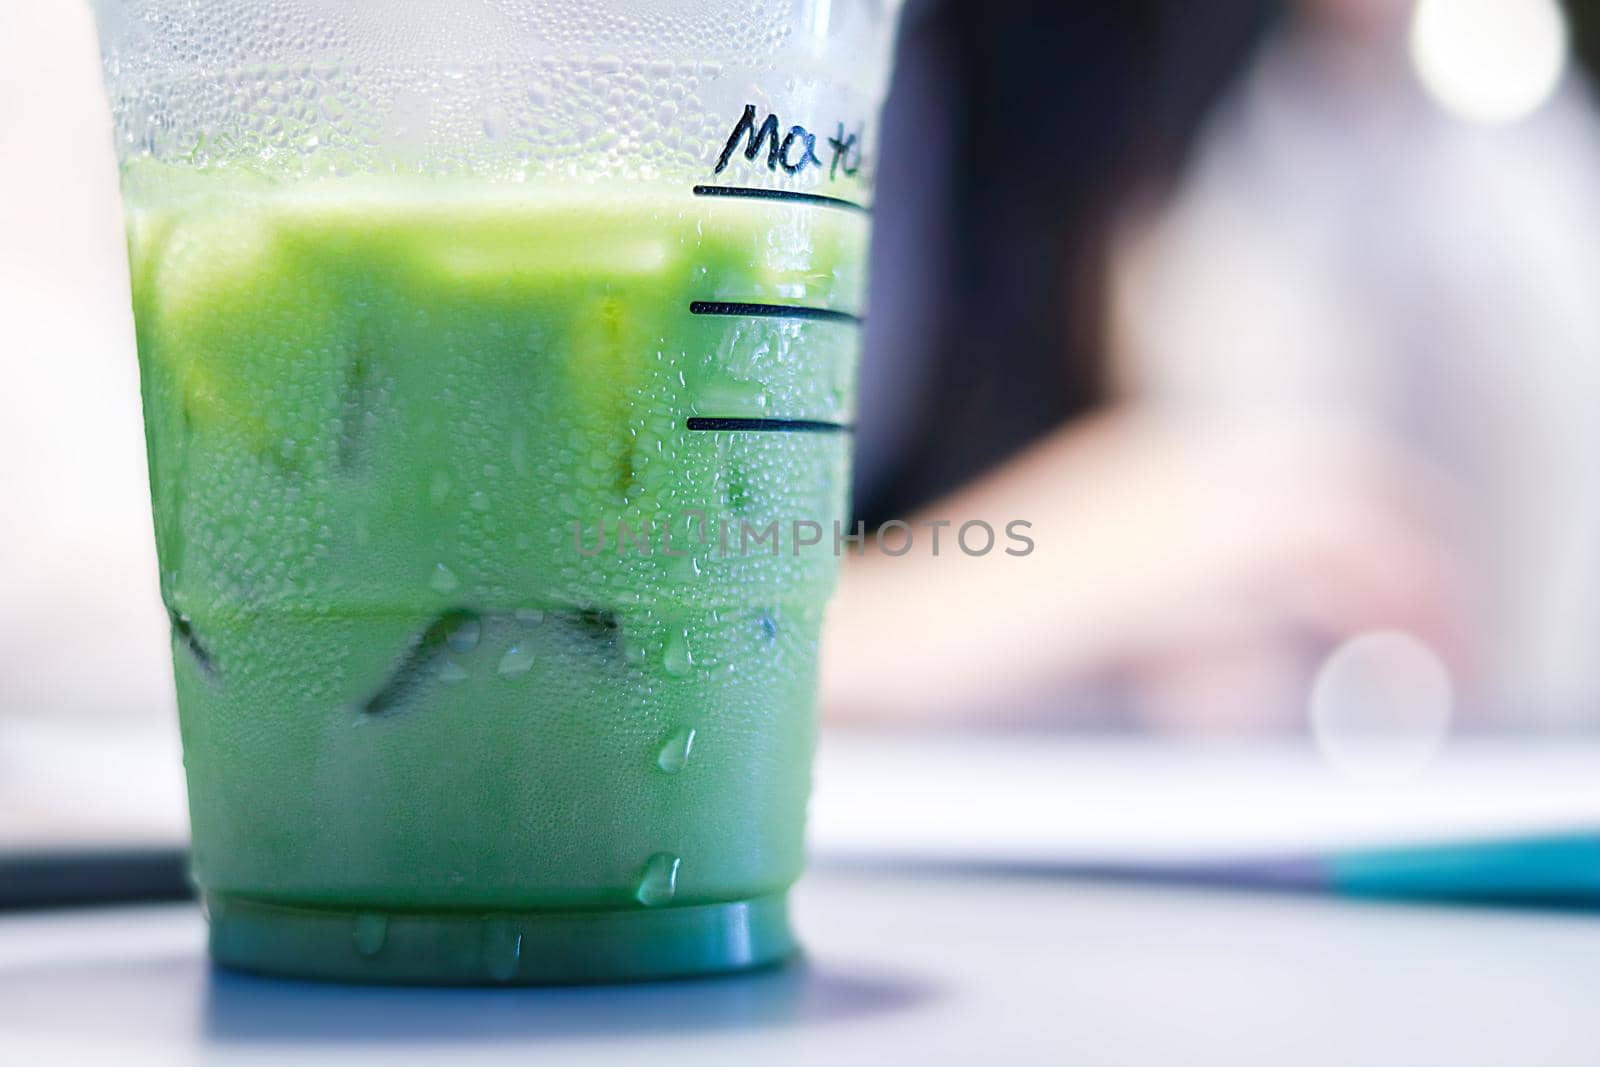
1492 61
1381 705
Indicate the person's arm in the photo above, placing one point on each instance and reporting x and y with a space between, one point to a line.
1149 536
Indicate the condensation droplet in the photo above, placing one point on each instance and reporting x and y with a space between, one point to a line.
659 881
517 661
444 579
677 659
439 488
674 754
502 950
369 933
634 650
464 638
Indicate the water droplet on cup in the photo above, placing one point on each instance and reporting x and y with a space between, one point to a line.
464 638
444 579
517 661
502 950
452 673
439 488
659 881
678 659
634 649
369 933
675 753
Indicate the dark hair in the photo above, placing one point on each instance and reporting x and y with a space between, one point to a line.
1031 121
1584 18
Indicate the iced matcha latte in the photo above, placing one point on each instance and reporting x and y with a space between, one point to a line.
440 721
498 361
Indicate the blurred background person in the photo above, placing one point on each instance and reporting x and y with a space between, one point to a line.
1194 564
1392 223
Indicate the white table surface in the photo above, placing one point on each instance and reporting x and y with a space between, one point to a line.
1017 798
904 967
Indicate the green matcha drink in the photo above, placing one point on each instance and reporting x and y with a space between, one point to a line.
437 725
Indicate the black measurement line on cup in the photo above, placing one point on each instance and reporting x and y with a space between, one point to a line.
768 425
744 192
773 311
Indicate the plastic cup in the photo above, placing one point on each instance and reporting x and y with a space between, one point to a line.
498 368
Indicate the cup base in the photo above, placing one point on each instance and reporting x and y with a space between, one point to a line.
502 948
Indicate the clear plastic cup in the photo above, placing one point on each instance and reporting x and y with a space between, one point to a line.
440 305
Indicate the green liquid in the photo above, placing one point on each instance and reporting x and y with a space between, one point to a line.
375 411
